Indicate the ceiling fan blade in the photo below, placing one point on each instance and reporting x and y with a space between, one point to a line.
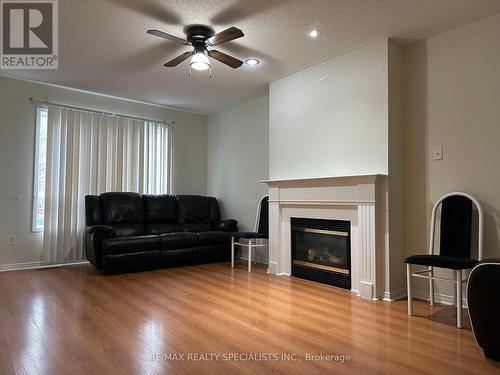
225 59
226 36
163 35
178 59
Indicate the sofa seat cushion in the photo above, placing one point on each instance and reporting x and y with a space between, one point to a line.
161 228
123 245
195 228
214 238
173 241
128 230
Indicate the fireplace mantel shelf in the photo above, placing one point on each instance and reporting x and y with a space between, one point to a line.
336 202
321 179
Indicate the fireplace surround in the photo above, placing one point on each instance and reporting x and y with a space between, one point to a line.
360 200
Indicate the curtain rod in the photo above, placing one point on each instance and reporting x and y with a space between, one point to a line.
57 105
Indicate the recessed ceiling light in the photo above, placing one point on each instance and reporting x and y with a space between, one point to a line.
252 62
313 33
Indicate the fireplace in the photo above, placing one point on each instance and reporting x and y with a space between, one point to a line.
321 251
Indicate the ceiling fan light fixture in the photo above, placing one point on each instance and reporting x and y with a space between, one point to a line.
200 61
252 61
314 33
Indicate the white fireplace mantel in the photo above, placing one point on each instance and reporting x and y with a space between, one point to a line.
359 199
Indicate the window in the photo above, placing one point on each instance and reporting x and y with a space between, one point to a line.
106 153
40 163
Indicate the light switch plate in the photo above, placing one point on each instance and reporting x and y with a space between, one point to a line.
437 153
11 240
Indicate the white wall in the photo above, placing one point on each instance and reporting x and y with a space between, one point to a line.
453 100
17 137
344 117
238 157
336 114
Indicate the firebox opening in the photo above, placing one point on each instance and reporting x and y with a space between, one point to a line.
321 251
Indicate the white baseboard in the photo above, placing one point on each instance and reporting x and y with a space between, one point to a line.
35 265
272 268
442 299
19 266
258 258
394 296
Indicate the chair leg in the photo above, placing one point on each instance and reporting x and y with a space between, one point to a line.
250 256
254 259
459 298
408 289
431 286
232 252
455 301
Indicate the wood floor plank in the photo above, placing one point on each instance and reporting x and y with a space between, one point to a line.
73 320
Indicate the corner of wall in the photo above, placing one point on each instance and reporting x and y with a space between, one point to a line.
396 180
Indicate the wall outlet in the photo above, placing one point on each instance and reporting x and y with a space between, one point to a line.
11 240
437 153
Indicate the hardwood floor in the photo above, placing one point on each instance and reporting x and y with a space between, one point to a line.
71 320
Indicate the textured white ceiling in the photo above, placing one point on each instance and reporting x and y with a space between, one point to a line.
104 46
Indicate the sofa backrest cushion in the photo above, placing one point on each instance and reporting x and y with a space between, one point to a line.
122 208
213 206
193 212
124 212
160 208
161 214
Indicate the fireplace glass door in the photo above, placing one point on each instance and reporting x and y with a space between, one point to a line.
321 250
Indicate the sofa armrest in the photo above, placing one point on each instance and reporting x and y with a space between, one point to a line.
94 236
227 225
105 229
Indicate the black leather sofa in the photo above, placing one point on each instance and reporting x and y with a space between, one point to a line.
483 298
132 232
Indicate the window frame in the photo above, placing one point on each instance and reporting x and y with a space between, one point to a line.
43 109
34 227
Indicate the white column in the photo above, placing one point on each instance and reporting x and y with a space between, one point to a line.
274 231
367 251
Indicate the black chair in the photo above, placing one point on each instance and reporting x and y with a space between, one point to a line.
261 233
454 246
483 298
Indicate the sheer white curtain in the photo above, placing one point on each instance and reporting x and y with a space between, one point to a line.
91 153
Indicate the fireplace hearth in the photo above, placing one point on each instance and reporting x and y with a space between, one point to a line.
321 251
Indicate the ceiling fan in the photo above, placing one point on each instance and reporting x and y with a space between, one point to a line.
200 38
